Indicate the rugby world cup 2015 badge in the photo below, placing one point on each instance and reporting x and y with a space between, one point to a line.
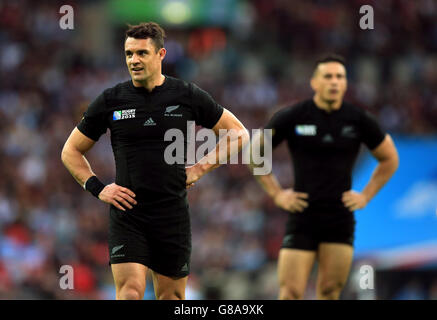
123 114
306 130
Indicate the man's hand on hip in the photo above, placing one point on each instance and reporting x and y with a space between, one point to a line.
194 173
290 200
354 200
118 196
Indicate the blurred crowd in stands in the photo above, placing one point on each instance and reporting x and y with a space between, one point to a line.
259 63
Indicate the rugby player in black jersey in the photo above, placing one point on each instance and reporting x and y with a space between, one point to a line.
149 225
324 135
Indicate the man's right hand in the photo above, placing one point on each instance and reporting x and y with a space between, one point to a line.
290 200
117 196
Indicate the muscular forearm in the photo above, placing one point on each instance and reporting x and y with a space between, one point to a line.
380 176
77 165
270 184
267 181
224 150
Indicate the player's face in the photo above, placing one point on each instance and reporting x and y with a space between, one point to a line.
329 82
142 58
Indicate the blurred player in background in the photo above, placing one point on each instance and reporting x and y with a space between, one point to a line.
149 224
324 135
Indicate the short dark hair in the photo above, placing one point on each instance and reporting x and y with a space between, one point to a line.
146 30
329 57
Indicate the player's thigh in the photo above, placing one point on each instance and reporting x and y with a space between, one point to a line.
294 267
334 262
129 274
169 288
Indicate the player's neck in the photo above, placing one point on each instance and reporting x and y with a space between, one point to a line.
150 84
328 106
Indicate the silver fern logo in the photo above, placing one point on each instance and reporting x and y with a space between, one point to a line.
115 249
170 109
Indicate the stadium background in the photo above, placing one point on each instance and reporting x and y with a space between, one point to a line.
254 57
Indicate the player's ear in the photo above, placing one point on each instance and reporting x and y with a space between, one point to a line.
162 52
313 83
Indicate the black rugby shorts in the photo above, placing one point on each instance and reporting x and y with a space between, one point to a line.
306 230
159 238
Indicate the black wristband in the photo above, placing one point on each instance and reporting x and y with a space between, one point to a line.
94 185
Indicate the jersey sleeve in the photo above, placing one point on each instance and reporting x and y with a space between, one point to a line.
279 124
94 122
207 111
372 134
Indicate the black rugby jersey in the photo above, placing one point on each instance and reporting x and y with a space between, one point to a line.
324 147
138 120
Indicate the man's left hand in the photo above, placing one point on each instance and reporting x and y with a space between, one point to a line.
194 173
354 200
